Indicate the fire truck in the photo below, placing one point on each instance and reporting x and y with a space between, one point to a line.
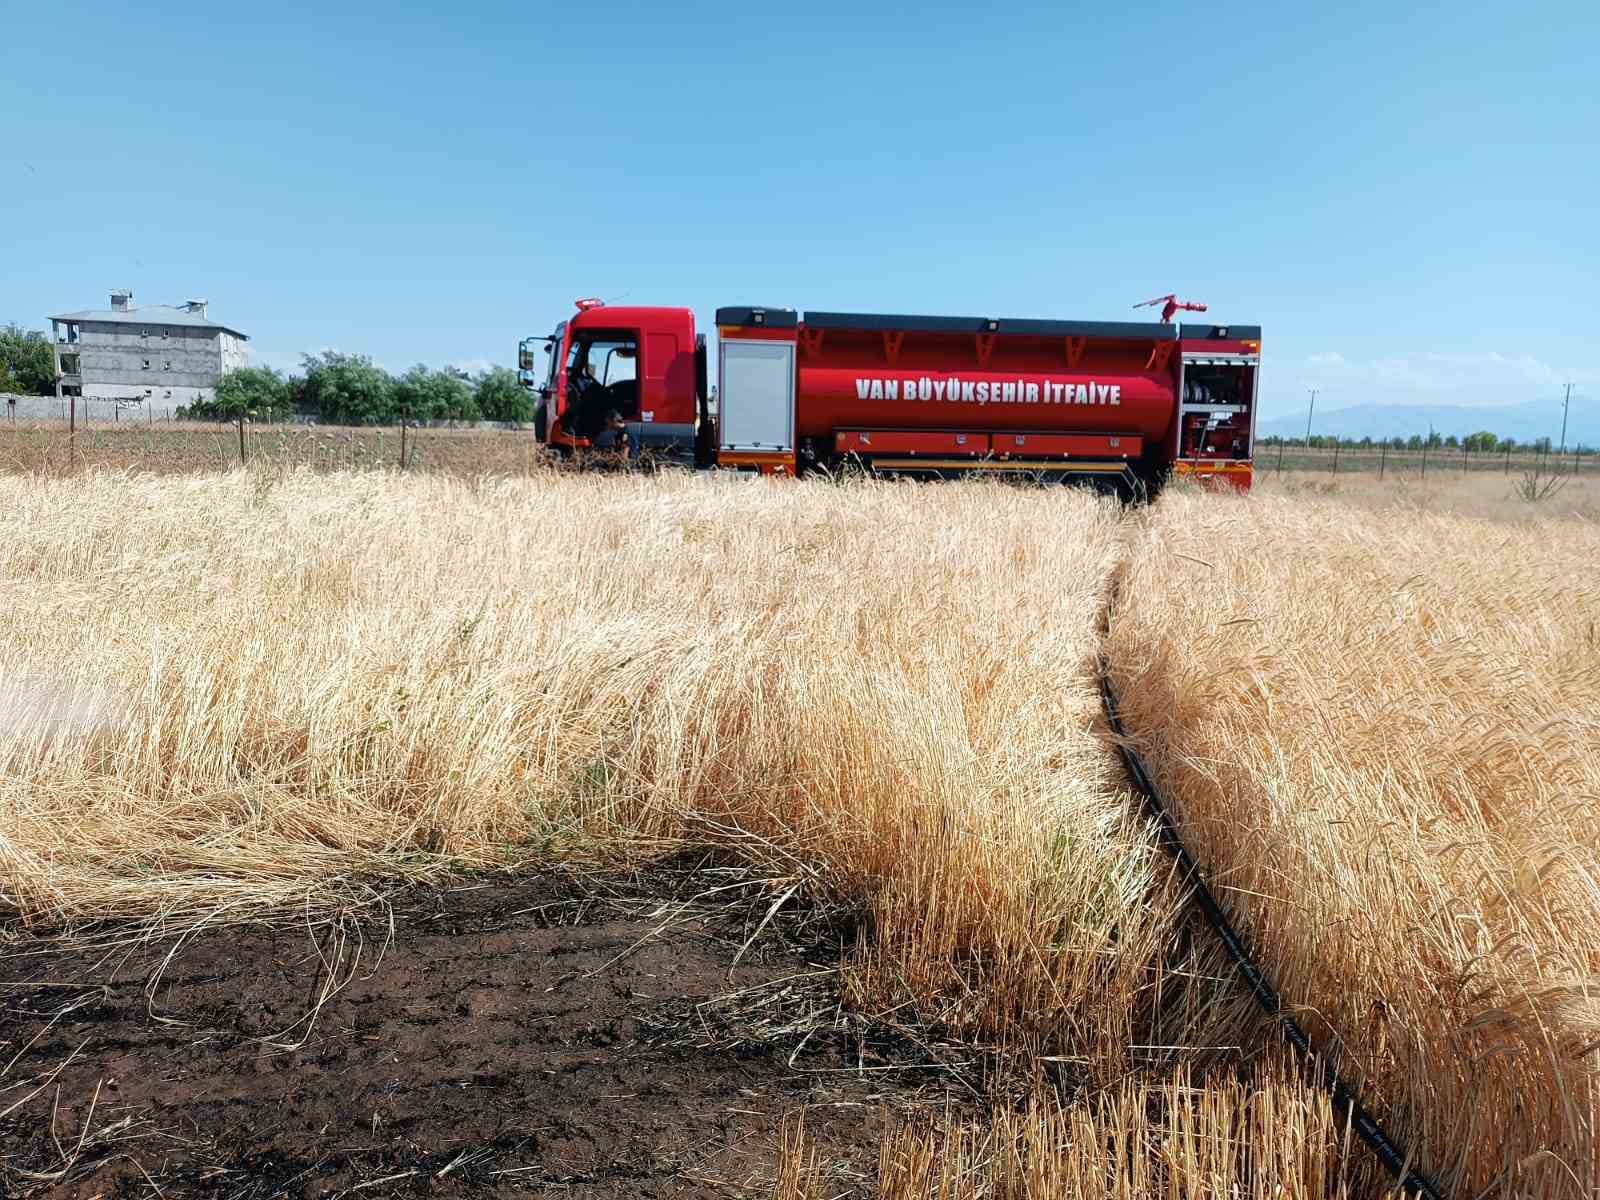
1121 403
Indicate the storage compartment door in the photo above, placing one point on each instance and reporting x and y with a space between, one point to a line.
755 395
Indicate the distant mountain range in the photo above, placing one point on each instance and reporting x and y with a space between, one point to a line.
1526 422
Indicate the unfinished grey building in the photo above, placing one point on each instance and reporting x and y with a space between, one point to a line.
160 356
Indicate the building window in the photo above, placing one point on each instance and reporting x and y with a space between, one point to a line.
146 363
148 392
165 334
166 364
144 333
168 394
69 364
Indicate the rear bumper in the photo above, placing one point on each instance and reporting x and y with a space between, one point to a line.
1235 475
774 463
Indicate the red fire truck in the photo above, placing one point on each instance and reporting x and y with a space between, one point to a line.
1123 403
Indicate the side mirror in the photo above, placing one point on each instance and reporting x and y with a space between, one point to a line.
525 359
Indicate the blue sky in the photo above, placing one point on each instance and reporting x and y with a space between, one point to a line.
1404 196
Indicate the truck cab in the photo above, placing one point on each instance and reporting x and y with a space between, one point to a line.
645 366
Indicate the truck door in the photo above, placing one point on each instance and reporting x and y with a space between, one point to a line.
546 407
755 389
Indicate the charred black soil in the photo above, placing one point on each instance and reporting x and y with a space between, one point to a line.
517 1036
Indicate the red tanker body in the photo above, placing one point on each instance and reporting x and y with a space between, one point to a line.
1122 402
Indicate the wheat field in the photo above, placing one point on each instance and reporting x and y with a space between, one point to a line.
238 687
230 692
1381 732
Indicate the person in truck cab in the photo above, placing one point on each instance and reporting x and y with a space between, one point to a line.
581 385
585 416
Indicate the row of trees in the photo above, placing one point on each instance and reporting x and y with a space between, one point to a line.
27 362
344 389
350 389
1482 442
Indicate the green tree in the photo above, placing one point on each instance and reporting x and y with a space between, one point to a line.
426 395
1482 442
1414 442
255 392
501 398
27 362
349 389
1452 441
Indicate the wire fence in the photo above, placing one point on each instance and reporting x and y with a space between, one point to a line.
173 447
1423 461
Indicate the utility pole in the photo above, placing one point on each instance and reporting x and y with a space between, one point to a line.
1309 413
1565 405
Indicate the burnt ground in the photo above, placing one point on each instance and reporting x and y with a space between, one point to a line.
547 1035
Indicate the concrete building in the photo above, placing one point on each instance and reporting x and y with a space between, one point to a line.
158 357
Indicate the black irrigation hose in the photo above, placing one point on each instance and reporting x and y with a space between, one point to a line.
1345 1100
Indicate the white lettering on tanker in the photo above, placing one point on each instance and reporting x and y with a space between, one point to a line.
988 391
883 389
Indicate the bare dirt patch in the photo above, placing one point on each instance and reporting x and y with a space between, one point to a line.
544 1035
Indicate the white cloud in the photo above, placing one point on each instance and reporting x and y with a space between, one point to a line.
1429 377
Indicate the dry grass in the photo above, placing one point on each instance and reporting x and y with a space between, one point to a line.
1490 495
1381 731
882 693
1180 1136
187 447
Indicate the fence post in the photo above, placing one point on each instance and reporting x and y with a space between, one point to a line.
1424 460
1280 456
1383 459
1508 460
1463 458
1336 445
